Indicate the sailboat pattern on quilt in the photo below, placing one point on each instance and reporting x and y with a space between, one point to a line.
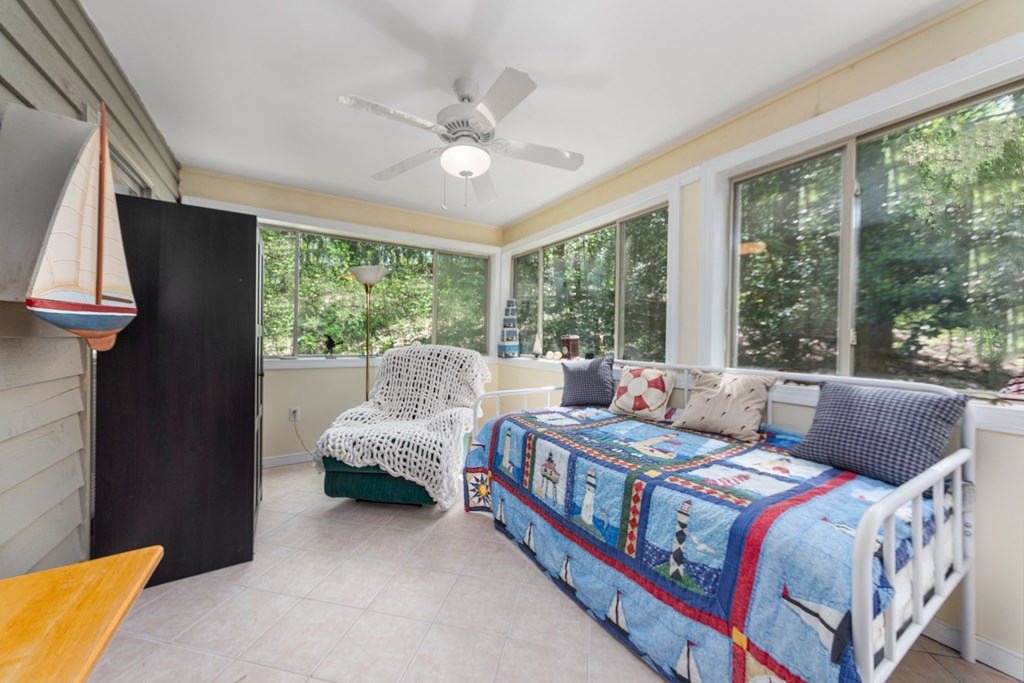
714 560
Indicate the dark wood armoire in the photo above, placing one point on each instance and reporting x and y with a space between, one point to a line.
178 398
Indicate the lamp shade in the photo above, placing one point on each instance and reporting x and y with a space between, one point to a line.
368 275
465 160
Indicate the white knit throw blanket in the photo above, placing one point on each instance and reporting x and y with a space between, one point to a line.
420 407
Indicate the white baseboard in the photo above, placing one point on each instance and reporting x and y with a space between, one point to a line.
288 459
995 656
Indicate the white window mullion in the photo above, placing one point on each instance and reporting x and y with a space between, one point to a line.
847 262
295 297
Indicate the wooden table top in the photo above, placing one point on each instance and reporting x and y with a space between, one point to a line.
55 624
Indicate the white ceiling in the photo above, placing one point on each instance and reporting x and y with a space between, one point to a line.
249 87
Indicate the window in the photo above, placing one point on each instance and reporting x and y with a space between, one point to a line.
607 286
311 303
934 270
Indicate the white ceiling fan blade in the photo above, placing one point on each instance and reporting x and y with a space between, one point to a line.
508 91
483 188
410 163
371 107
527 151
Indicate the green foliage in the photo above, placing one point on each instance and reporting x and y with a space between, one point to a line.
525 273
940 254
645 282
789 289
579 292
332 303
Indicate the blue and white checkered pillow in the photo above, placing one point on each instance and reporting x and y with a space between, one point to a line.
886 434
588 382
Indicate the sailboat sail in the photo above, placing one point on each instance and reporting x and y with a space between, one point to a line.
528 539
82 282
500 517
834 628
616 616
565 575
686 670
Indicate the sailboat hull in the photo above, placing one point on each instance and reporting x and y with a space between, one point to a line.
74 316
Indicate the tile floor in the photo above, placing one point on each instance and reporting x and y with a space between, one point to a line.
324 601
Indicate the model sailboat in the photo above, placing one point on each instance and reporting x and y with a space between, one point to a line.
81 283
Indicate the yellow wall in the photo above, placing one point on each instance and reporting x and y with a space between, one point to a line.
224 188
321 395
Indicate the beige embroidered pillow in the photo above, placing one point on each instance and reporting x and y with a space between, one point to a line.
725 403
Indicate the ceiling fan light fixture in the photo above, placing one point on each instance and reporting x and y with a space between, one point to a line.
465 160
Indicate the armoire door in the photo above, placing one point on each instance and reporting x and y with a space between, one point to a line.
175 436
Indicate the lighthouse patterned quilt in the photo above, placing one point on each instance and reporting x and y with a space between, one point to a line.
712 559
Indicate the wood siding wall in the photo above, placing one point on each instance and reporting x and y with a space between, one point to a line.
44 455
52 58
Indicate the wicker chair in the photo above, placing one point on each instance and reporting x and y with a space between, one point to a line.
405 445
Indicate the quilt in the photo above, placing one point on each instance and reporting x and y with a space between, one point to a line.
712 559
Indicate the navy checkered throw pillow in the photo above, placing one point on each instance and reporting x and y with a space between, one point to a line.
887 434
588 382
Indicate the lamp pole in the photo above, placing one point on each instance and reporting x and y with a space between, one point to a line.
368 276
368 287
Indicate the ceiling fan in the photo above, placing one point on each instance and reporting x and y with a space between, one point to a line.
468 131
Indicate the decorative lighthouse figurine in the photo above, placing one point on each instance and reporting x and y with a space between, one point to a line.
508 346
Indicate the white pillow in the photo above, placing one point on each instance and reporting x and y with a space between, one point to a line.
643 392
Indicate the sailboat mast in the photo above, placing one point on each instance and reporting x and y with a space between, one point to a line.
101 203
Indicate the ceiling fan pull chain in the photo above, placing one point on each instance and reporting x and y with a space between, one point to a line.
465 201
444 190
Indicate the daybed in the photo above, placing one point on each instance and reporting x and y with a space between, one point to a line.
716 559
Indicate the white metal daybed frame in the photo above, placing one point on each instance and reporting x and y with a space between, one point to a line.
958 467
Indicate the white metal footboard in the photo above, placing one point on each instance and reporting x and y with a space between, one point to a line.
956 469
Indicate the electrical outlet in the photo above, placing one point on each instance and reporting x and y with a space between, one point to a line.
293 414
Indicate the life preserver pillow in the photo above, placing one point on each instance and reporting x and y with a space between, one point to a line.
643 392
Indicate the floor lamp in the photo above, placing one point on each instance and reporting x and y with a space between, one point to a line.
368 276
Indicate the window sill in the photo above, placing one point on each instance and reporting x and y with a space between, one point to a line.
322 363
532 363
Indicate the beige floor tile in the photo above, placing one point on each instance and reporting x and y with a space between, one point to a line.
294 532
966 672
179 608
327 507
355 582
299 573
523 662
290 501
170 664
456 655
920 667
124 652
388 544
416 518
234 625
472 524
150 594
244 672
414 593
268 519
376 514
479 605
376 649
501 561
339 536
547 616
301 639
605 669
265 556
443 553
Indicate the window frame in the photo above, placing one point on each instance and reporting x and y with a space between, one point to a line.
619 312
297 233
849 228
